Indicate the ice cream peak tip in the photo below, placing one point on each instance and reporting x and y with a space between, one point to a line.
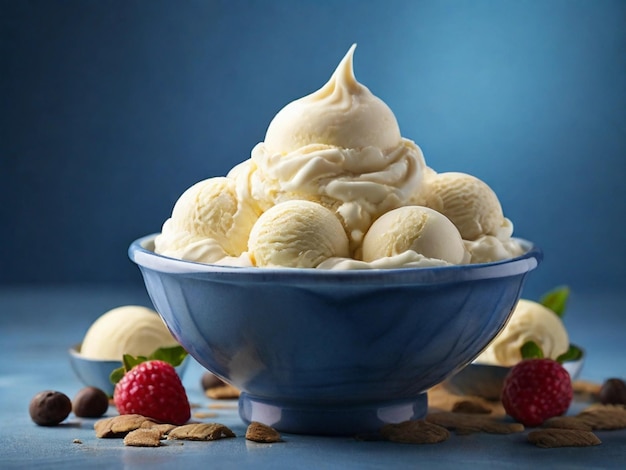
343 113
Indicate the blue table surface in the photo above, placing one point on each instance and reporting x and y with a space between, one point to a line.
39 323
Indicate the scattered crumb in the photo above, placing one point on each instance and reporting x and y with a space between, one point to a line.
204 414
259 432
553 437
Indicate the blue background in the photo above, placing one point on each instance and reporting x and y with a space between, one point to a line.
110 109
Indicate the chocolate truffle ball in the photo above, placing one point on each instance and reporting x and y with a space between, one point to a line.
90 402
49 408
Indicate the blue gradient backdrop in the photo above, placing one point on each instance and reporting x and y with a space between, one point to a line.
110 109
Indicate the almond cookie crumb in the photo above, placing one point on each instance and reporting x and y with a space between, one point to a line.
163 428
415 432
567 422
550 438
119 426
465 423
222 392
259 432
143 437
204 414
470 407
604 417
587 390
200 432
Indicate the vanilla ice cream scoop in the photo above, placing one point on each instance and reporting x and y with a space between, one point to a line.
341 147
298 234
131 329
420 229
467 201
210 221
343 113
530 321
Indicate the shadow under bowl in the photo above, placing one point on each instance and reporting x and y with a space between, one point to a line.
486 381
332 352
96 372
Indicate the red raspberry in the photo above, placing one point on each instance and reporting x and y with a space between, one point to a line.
153 389
535 390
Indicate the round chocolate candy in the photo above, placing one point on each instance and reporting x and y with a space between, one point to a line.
90 402
49 408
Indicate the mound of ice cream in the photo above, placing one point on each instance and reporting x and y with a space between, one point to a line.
475 210
338 157
209 223
530 321
297 234
131 329
414 228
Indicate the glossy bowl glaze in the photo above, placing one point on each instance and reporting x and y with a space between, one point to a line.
96 372
486 380
332 352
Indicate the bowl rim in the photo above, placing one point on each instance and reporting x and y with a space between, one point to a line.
74 351
141 253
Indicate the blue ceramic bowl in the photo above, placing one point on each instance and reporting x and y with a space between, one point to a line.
332 352
96 372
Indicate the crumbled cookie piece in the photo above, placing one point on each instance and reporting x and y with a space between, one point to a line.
119 426
200 432
415 432
465 423
587 390
259 432
163 428
143 437
204 414
604 417
553 437
567 422
222 392
470 407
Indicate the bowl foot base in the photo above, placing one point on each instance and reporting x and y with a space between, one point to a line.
330 419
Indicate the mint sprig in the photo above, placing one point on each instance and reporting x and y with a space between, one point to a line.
556 300
531 350
173 355
572 354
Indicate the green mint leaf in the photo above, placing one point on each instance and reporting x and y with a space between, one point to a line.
174 355
572 354
116 375
128 362
556 300
531 350
131 361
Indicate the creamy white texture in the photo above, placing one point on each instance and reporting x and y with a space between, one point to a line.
130 329
530 321
298 234
414 228
340 146
406 259
210 222
475 210
343 113
489 248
